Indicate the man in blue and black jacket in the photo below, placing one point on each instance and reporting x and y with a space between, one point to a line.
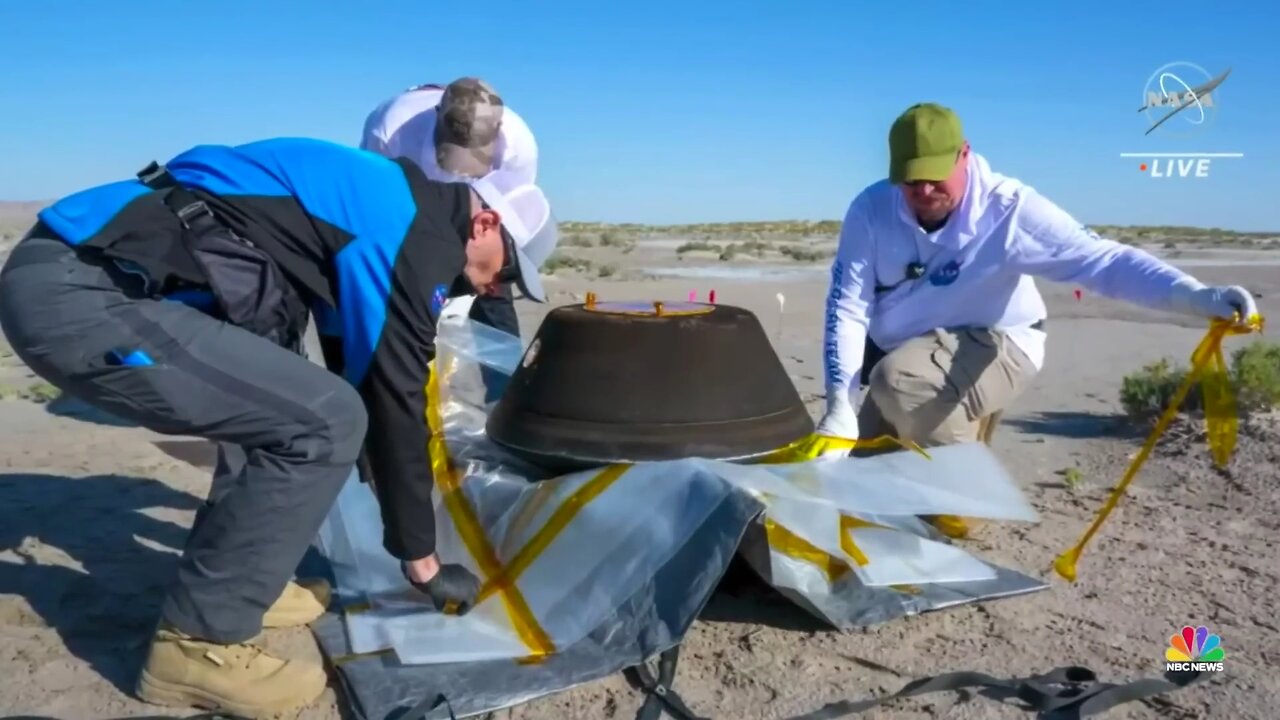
178 301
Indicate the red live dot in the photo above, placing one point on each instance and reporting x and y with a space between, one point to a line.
1143 167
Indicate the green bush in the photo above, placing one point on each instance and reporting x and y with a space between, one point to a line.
801 253
1146 393
605 271
697 245
608 239
577 240
750 247
562 261
1253 372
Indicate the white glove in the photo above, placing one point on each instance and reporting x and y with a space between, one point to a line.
1217 302
840 421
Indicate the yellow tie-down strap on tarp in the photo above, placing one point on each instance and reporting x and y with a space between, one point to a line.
814 445
1209 368
500 579
472 533
497 577
796 547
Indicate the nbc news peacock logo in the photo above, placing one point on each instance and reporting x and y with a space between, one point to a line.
1194 649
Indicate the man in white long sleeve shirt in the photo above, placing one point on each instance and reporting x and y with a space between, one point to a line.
455 133
935 266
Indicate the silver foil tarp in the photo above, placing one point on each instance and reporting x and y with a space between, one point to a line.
607 567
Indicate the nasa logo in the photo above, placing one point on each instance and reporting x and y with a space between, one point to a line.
1180 98
946 274
439 297
1170 89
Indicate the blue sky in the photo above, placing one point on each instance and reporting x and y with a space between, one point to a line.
661 112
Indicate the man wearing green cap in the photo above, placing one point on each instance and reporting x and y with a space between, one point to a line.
932 301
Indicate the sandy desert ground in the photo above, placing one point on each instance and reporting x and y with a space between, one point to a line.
92 517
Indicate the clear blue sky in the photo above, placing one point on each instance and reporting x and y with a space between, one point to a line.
660 111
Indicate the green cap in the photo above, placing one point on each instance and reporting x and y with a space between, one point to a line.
923 144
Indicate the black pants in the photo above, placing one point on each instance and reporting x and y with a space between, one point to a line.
298 427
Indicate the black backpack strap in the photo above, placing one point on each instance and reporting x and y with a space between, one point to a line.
193 212
661 697
156 176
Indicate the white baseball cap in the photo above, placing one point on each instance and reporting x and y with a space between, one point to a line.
526 216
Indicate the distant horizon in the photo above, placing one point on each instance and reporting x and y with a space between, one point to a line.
666 112
785 221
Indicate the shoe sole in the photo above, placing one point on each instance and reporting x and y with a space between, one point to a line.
159 692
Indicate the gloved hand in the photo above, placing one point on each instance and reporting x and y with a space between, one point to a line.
453 586
840 420
836 430
1218 302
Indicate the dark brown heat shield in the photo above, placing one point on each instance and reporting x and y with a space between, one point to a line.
625 382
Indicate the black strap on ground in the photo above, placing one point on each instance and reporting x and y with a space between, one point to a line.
660 696
424 707
431 709
1067 692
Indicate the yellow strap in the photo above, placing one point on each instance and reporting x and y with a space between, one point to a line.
847 526
796 547
561 517
470 530
500 579
1208 366
811 446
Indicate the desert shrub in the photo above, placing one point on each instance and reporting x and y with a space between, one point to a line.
1146 393
801 253
605 271
750 247
1253 372
577 240
697 245
562 261
609 239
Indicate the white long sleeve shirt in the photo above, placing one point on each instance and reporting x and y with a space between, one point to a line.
404 126
1002 235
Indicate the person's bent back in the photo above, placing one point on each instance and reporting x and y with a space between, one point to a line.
177 301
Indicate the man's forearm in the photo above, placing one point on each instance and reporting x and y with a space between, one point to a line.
844 340
1052 245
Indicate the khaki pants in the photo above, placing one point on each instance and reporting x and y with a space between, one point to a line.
944 387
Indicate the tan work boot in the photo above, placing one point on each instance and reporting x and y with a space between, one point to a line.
241 679
301 603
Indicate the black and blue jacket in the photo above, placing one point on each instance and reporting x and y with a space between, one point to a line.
370 244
